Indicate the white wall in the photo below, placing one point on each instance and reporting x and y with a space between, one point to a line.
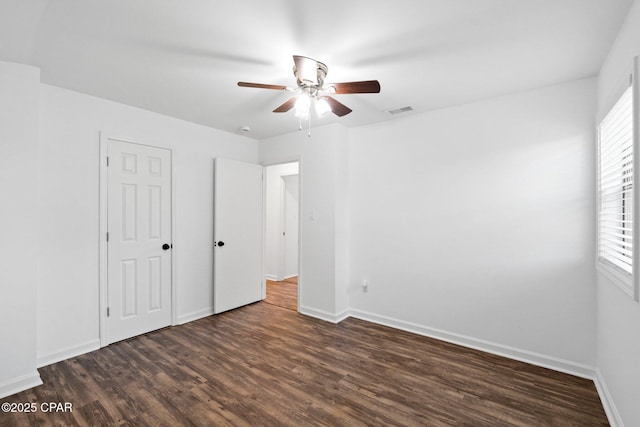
619 315
69 177
476 224
273 216
323 239
19 92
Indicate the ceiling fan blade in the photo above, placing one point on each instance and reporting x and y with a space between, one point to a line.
367 86
262 86
338 108
286 106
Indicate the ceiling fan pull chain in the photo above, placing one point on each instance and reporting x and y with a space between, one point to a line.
309 119
300 123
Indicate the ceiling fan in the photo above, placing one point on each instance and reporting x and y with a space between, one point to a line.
313 90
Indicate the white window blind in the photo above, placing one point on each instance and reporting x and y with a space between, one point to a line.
615 184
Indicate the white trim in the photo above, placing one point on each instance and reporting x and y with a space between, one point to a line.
195 315
265 276
324 315
68 353
343 315
550 362
263 282
102 249
104 137
635 100
271 277
610 99
175 244
18 384
300 235
607 401
615 275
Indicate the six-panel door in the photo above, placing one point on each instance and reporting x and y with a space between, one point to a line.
139 224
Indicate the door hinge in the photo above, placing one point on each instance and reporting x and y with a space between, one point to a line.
107 311
107 236
107 161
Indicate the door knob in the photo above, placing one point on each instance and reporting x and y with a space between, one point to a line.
166 246
220 243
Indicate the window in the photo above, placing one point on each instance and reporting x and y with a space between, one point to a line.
615 193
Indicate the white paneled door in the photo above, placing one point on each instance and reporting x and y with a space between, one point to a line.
139 239
238 220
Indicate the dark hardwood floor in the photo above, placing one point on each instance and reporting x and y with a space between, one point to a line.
283 294
263 365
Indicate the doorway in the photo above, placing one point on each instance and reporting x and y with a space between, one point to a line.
282 238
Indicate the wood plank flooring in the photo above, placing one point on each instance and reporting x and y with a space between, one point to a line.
283 294
263 365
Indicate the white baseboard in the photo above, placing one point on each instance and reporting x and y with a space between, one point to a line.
324 315
271 277
607 401
195 315
68 353
342 316
550 362
18 384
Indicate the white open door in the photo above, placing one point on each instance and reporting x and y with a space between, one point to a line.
139 239
238 219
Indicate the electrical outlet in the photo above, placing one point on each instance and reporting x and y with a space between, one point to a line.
365 285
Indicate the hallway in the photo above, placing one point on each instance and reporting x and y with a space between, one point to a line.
283 294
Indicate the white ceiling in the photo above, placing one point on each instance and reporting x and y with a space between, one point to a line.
183 58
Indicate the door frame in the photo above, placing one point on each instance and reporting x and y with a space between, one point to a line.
274 162
102 227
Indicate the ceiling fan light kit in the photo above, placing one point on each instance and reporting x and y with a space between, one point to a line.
310 77
303 103
322 106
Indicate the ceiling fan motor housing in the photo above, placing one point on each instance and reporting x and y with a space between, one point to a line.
309 72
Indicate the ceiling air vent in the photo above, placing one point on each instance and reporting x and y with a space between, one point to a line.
400 110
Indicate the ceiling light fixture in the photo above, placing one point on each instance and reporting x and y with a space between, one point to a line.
303 103
310 75
307 100
322 106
